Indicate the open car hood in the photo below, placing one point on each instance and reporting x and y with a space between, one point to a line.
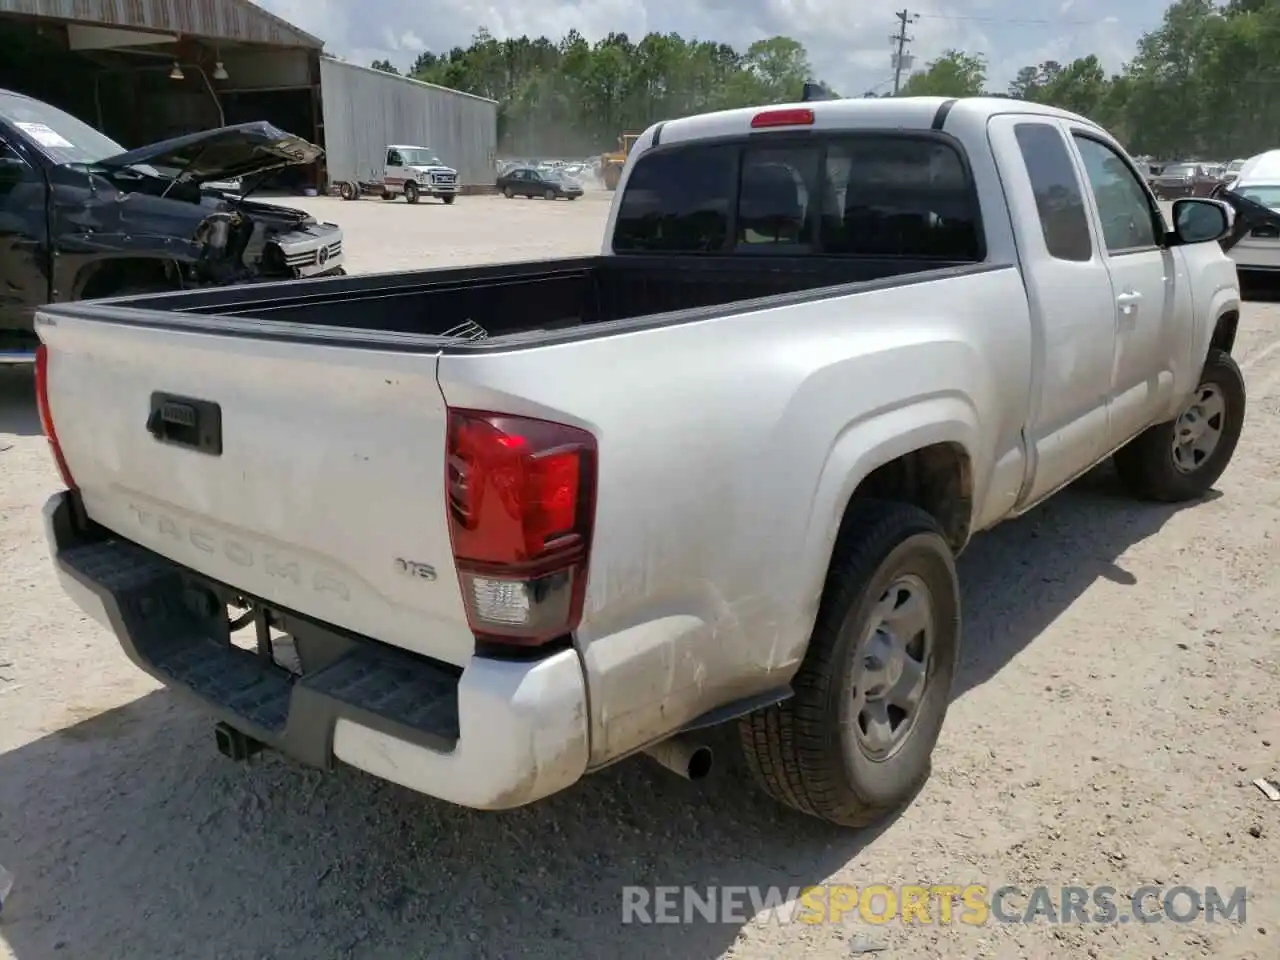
222 154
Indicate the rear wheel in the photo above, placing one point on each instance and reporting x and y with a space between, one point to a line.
549 195
508 192
855 740
448 197
347 191
411 192
387 195
1182 459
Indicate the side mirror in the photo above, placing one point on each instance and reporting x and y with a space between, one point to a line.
1201 221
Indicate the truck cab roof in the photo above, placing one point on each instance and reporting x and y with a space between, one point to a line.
907 113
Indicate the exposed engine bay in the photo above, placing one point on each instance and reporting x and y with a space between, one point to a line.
241 240
236 240
100 220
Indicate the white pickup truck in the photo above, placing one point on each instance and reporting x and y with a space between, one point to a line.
515 522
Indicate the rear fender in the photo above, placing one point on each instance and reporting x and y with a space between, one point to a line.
861 448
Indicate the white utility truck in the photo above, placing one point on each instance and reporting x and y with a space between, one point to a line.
409 172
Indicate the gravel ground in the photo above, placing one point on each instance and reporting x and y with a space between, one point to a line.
1117 696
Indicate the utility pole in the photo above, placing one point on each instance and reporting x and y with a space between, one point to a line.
901 59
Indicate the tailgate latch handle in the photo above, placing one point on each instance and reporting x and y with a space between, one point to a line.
186 422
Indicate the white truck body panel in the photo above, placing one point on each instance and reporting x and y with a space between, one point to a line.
730 446
293 529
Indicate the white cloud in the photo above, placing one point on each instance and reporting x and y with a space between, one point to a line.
848 45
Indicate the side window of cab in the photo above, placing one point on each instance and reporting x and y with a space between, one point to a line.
1129 220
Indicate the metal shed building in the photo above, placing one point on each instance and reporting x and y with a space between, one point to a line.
198 64
365 110
194 64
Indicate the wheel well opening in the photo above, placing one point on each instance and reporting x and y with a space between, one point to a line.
1224 334
938 479
115 275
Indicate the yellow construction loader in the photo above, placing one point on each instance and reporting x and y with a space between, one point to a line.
611 164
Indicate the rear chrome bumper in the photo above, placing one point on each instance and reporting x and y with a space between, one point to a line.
494 735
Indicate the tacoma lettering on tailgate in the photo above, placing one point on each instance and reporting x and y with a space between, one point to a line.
273 562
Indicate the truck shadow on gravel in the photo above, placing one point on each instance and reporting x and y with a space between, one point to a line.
130 836
1019 577
18 401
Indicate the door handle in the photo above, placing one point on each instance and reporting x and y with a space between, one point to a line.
1129 301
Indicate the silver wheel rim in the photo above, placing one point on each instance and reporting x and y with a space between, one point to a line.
891 668
1197 433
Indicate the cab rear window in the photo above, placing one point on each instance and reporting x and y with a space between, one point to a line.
867 195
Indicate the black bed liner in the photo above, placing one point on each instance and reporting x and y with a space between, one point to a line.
513 304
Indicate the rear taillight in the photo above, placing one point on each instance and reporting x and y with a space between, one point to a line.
46 417
521 502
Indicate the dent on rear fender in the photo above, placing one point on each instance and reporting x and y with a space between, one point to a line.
670 656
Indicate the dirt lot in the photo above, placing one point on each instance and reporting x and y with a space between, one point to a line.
1118 694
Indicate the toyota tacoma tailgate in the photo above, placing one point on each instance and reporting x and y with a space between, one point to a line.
305 475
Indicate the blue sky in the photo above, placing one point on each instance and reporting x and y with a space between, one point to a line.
849 47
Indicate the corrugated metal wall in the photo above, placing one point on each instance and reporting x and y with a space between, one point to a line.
220 19
366 109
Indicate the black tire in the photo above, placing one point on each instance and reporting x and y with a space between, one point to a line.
1148 466
348 191
411 192
549 195
449 198
387 196
508 193
803 752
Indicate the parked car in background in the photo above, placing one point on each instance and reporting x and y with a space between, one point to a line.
1232 172
534 182
1257 252
1184 179
81 217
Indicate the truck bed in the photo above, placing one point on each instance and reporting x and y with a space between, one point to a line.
478 306
290 441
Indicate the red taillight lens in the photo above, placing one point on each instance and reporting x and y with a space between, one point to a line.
521 502
798 117
46 417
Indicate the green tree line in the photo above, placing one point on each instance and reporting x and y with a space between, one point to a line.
574 97
1204 82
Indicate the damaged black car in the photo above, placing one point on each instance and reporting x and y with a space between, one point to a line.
81 217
